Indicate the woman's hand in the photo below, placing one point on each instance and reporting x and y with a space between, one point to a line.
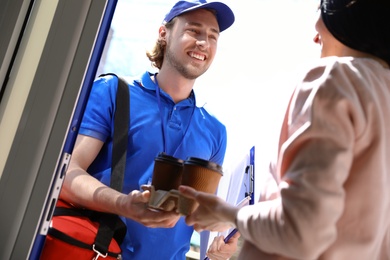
212 213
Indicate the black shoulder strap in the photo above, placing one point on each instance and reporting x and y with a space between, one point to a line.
109 223
121 123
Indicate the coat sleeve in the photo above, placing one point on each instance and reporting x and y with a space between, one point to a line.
314 160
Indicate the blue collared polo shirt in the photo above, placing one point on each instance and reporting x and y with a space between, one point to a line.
205 138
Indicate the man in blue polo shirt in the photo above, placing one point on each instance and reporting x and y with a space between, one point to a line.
164 117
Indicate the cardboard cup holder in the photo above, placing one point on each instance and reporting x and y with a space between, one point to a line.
169 173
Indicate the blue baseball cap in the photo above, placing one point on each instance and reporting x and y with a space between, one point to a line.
224 14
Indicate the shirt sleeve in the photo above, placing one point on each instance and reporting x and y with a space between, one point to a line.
98 116
219 156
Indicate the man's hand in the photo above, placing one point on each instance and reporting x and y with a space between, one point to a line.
136 208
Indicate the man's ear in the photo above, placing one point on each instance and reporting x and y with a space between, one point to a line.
162 32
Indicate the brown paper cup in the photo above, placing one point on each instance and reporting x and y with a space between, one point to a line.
202 175
167 174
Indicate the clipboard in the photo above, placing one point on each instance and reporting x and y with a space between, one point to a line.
247 189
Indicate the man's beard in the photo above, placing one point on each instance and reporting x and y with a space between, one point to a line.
187 73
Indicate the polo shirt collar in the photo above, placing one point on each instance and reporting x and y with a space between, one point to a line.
149 84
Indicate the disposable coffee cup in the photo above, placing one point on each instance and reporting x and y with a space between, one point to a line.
202 175
167 174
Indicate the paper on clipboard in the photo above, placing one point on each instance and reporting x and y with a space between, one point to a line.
237 185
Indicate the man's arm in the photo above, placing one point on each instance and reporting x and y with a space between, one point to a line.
83 190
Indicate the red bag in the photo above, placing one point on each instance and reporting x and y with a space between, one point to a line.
72 236
78 234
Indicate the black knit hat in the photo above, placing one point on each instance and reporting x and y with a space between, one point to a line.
363 25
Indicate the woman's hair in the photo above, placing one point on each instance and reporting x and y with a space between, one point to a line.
156 54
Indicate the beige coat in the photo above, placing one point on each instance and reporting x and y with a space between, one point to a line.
333 170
